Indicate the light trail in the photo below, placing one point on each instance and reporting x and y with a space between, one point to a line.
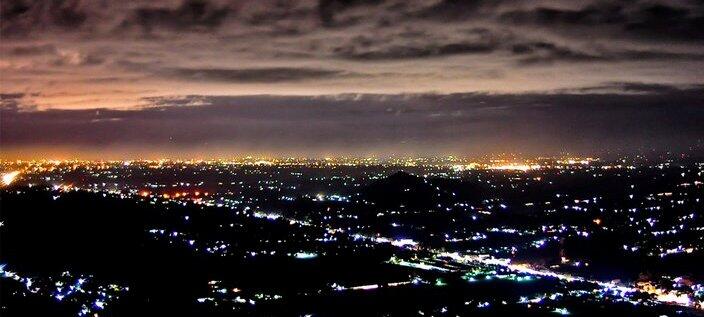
669 298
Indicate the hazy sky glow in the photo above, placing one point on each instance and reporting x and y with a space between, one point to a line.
222 78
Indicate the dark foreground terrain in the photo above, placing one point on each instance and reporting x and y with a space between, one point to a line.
297 241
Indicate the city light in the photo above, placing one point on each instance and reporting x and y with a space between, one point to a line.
9 177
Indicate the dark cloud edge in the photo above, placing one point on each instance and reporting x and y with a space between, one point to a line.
614 92
604 117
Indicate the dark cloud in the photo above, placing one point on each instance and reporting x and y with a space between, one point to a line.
23 17
20 17
278 13
485 41
190 14
85 48
659 116
327 9
254 75
407 51
477 41
654 88
235 75
589 15
646 88
28 50
11 9
456 9
643 19
648 20
15 102
383 29
662 21
541 52
544 52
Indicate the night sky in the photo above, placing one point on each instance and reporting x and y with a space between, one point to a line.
146 79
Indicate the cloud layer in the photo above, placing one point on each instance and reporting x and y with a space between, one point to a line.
86 54
616 117
350 75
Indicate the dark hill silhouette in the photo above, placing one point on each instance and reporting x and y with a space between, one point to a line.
404 189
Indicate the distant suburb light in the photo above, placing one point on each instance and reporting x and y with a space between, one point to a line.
8 178
306 255
515 167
